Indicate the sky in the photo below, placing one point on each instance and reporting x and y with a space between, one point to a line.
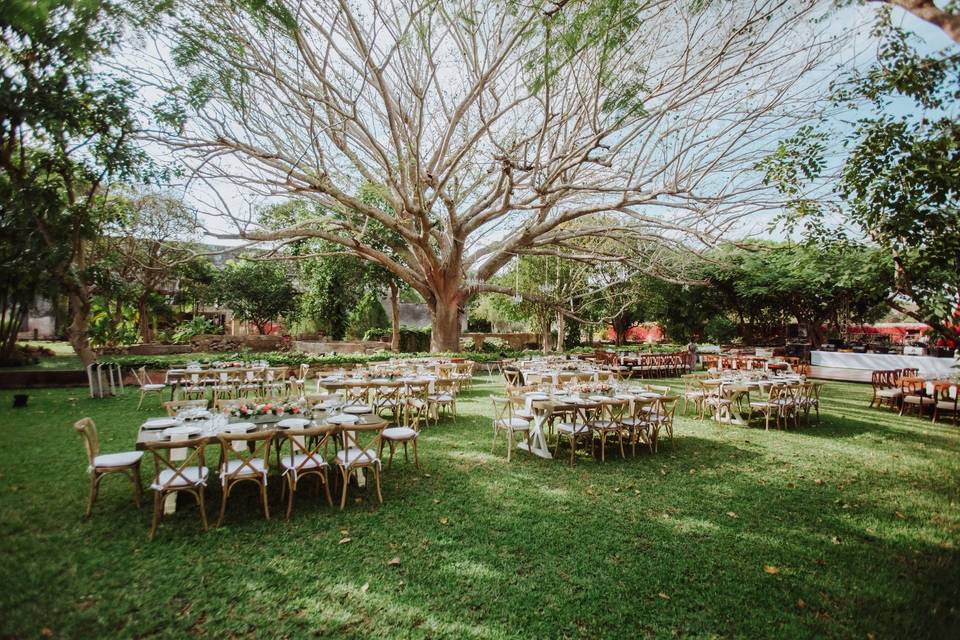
208 197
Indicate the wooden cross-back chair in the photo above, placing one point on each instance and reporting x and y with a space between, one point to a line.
513 377
188 475
224 386
147 386
100 465
609 422
173 407
415 405
308 452
661 419
357 394
504 420
244 457
574 426
637 422
443 399
360 445
388 399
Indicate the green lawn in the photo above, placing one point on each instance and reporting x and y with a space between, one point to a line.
856 521
63 358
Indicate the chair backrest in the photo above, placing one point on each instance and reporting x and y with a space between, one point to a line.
160 449
141 376
91 441
304 371
173 407
502 409
366 438
512 376
310 442
260 440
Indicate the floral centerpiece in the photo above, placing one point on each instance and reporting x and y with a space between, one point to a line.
595 387
265 412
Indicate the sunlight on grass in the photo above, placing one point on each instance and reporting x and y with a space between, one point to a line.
857 517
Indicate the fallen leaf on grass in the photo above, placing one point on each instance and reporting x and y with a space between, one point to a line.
393 562
344 540
899 515
732 514
835 540
344 532
365 587
663 595
818 482
772 570
46 632
444 520
801 604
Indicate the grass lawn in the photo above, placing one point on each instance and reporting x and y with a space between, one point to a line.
846 530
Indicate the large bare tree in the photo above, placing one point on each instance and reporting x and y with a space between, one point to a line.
492 129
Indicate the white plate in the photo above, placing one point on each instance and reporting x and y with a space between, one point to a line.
536 396
293 423
600 398
160 423
357 409
181 433
343 419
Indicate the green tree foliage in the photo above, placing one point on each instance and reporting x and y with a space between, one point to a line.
367 315
256 291
899 182
66 133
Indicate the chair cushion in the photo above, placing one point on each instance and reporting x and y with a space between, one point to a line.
889 393
947 405
513 423
237 468
442 397
523 414
399 433
919 400
195 476
569 427
153 386
123 459
302 461
353 455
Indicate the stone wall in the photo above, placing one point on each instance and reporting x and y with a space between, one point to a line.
229 344
321 348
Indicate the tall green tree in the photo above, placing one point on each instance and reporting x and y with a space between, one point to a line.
898 182
66 133
256 291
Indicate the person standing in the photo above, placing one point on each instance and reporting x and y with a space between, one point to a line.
692 354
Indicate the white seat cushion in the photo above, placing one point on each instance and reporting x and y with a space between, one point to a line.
399 433
919 400
569 427
353 455
513 423
123 459
302 461
442 397
153 386
232 467
190 476
889 393
946 404
523 414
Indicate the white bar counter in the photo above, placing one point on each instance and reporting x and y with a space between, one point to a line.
929 366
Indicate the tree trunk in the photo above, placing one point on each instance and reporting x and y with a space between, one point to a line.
145 329
546 340
445 320
395 317
561 329
77 331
